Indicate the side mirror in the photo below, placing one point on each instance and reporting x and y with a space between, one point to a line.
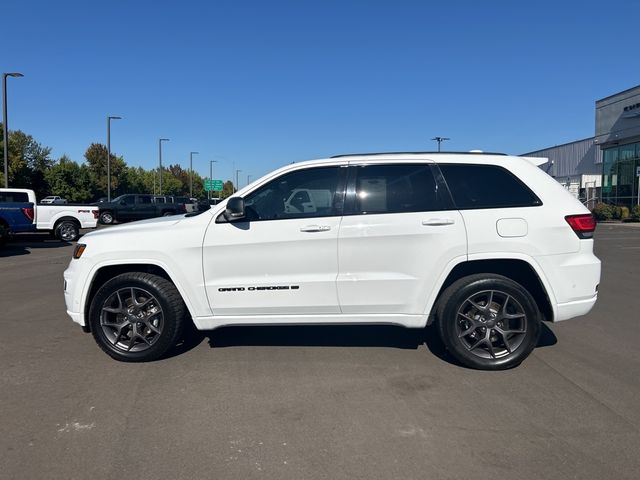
235 209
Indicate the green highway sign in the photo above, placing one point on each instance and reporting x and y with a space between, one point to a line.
213 185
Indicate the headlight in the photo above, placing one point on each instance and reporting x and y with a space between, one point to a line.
79 250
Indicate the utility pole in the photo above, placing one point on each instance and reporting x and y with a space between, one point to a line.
109 118
160 160
236 186
191 154
5 124
211 162
440 140
249 179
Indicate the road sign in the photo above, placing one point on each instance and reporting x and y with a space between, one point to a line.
213 185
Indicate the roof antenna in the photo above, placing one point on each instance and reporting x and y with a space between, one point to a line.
440 140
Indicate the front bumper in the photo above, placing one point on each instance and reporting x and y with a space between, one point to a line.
73 293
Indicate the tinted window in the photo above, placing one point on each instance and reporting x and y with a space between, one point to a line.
396 189
301 194
144 199
128 200
159 199
14 197
486 186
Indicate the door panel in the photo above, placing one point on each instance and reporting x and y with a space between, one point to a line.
282 258
400 233
390 263
272 267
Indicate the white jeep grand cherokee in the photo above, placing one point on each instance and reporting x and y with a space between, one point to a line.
485 245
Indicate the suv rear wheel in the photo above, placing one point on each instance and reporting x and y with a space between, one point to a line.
488 322
137 317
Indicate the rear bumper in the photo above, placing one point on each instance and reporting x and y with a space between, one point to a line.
573 279
568 310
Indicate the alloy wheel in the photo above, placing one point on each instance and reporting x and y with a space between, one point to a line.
491 324
131 319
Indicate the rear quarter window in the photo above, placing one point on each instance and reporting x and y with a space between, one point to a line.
486 186
14 197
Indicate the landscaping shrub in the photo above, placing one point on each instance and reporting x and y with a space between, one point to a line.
603 211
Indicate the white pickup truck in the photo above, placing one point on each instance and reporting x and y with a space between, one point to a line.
63 221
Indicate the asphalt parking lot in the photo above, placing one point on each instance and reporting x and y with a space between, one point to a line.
316 402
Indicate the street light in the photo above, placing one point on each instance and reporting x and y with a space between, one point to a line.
237 172
160 159
109 118
211 162
191 154
5 127
440 140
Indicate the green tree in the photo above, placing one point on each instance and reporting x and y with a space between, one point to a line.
96 156
69 180
28 162
227 189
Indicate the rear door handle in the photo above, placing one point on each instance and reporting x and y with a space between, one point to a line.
315 228
438 221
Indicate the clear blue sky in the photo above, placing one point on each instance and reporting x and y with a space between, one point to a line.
265 83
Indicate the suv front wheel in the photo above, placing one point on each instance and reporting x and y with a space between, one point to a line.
137 317
488 322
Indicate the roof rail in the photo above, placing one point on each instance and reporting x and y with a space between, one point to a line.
415 153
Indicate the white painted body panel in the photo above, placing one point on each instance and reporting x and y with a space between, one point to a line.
386 260
386 268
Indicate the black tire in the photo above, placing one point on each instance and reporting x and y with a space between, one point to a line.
67 231
168 213
516 334
170 331
4 235
107 217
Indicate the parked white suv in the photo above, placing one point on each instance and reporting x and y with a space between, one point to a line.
484 245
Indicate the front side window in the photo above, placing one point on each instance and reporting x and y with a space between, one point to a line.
301 194
486 186
129 200
396 189
144 200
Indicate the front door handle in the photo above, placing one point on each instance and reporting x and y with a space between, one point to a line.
438 221
315 228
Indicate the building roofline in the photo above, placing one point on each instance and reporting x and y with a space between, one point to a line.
559 145
618 93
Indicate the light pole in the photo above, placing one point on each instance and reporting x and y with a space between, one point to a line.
211 162
109 118
160 159
249 179
237 172
191 154
440 140
5 127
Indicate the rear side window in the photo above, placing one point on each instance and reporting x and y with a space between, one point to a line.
486 186
396 189
14 197
144 199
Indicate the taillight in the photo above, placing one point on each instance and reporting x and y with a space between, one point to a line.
584 225
28 212
96 213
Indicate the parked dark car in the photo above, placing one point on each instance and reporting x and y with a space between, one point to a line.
138 207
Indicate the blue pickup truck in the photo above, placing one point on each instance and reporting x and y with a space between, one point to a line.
15 218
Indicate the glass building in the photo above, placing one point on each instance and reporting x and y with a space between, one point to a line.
620 175
618 135
605 167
